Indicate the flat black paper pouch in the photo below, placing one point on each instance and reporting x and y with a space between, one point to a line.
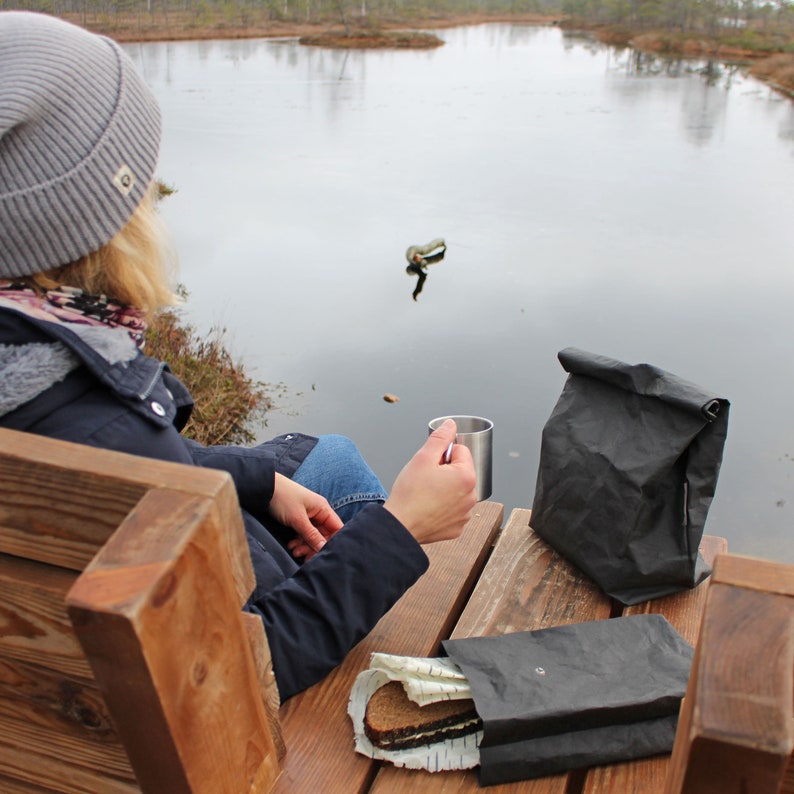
574 696
629 462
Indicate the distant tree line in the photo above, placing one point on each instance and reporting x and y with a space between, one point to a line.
710 18
287 10
687 16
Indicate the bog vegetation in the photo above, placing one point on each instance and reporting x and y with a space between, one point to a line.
229 403
748 30
710 17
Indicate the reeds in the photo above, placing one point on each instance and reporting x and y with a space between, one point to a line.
228 401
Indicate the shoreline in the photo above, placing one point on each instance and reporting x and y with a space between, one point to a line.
178 27
775 69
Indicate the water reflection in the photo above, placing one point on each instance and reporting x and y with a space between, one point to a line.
633 207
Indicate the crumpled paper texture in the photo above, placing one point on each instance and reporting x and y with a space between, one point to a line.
425 680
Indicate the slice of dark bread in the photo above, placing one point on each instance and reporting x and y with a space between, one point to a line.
394 722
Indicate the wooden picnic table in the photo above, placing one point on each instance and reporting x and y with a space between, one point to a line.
491 581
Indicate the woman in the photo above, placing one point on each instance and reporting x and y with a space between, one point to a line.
83 263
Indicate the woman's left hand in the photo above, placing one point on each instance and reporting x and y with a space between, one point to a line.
308 513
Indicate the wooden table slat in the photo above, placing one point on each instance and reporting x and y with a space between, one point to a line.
684 610
526 585
316 729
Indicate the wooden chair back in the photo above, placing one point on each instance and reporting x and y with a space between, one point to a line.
736 731
126 664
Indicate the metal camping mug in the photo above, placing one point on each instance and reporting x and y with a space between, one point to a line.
475 433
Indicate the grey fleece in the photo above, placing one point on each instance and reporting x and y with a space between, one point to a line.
28 370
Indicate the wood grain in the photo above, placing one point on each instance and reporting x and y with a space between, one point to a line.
41 707
43 772
317 730
34 619
260 653
736 731
158 617
684 610
750 573
525 585
157 610
9 786
61 502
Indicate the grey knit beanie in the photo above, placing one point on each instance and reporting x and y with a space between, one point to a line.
79 138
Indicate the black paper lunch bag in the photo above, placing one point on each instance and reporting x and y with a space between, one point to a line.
629 462
574 696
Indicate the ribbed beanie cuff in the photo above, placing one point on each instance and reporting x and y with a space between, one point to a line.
79 139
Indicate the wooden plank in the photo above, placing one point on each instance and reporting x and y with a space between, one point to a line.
788 778
66 530
393 780
525 585
42 773
94 489
158 616
9 786
736 732
263 662
36 627
47 695
754 574
44 708
684 610
317 730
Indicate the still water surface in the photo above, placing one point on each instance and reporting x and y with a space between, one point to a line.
589 197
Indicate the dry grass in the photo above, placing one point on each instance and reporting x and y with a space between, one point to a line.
359 40
227 400
777 70
223 23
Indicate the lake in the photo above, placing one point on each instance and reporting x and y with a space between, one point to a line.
589 196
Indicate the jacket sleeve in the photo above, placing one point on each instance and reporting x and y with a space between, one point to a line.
314 618
252 469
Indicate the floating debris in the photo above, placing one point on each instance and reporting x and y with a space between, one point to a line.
391 398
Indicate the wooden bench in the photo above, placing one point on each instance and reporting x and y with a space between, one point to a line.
315 725
526 585
736 731
126 664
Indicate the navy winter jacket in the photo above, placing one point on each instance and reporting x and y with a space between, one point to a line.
313 613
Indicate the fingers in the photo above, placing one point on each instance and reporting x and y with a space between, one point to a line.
441 439
461 456
311 535
300 550
445 431
304 511
434 500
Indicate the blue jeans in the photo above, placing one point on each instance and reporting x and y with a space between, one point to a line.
336 470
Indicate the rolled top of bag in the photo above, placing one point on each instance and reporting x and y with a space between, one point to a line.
644 379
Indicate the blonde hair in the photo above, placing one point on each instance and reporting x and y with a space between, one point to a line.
135 267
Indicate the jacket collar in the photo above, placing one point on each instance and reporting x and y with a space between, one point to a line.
143 383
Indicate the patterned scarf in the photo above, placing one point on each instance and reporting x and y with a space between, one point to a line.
71 305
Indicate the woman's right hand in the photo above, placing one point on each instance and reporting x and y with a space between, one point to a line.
433 499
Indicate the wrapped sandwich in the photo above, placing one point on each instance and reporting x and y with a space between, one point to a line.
415 712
